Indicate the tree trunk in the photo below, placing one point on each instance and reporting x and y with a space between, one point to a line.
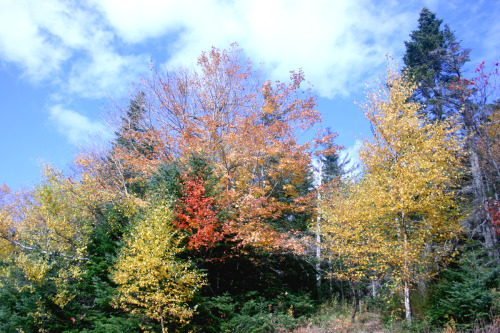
407 302
490 239
480 203
162 324
375 286
355 301
318 231
477 177
406 272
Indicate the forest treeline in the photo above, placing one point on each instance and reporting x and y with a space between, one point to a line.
206 212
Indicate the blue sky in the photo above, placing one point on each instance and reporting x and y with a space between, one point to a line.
62 62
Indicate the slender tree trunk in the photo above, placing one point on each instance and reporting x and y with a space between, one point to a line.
162 324
406 272
375 285
355 301
407 301
330 280
480 203
318 231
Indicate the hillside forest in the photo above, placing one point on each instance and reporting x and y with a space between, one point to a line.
209 212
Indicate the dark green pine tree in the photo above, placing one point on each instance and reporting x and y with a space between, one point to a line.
132 139
333 166
132 123
434 59
467 291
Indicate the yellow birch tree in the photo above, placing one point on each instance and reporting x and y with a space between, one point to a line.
151 279
352 241
405 204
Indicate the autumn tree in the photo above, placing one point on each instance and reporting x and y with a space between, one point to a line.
56 217
353 243
152 279
248 129
194 190
245 229
409 208
45 238
197 214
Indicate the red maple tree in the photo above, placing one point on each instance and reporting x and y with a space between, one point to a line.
197 214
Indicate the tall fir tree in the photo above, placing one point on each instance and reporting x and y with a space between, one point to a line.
132 122
134 146
434 59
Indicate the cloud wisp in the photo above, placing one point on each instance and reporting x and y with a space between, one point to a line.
66 44
76 127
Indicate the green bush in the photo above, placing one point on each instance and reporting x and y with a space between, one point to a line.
467 292
254 313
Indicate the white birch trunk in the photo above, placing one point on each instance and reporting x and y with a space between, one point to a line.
318 229
407 302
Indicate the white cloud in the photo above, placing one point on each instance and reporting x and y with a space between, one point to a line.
337 43
77 128
135 21
26 41
351 153
65 43
106 72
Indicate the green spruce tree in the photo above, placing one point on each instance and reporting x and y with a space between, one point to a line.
434 59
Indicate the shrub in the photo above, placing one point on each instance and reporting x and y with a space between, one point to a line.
467 292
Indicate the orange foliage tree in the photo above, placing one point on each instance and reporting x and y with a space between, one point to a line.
248 129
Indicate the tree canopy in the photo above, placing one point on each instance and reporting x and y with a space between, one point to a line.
214 209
